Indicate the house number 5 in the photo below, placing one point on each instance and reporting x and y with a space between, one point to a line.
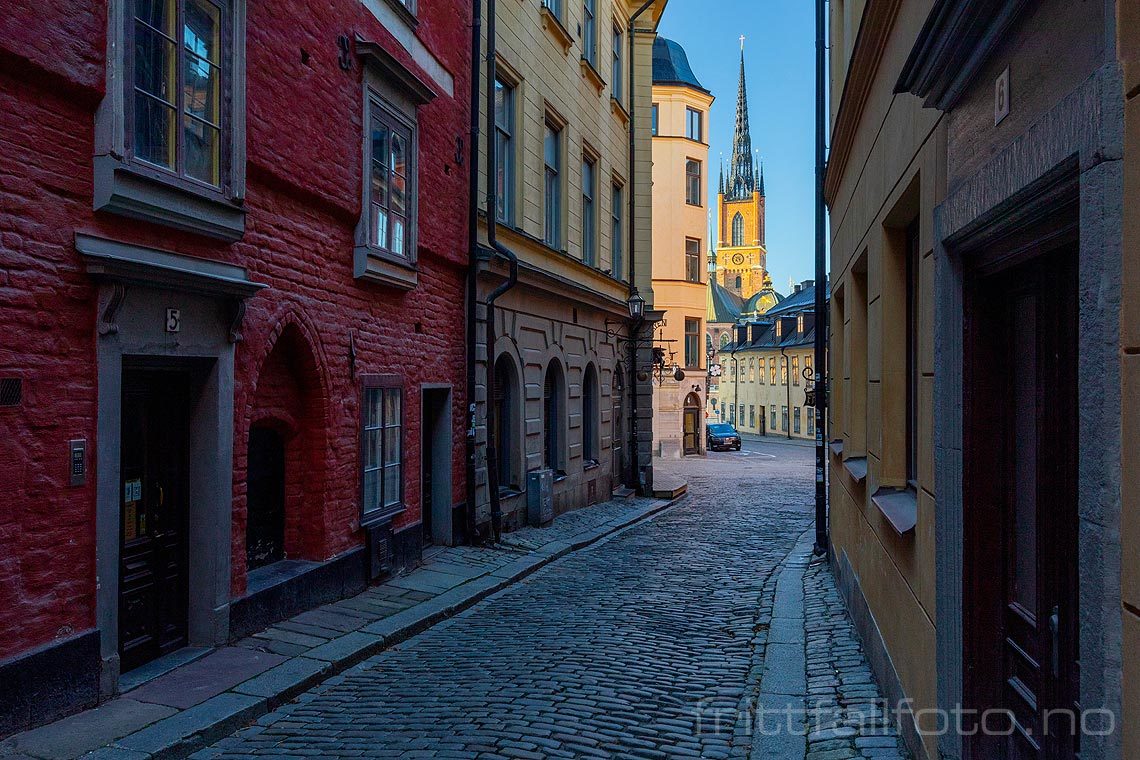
173 320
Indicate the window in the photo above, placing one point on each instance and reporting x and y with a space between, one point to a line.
738 282
553 411
732 414
800 324
737 230
784 418
590 32
409 4
795 370
692 343
177 87
653 119
590 416
552 156
617 49
796 420
589 212
912 369
392 183
617 237
751 370
504 150
772 377
692 260
751 415
742 414
503 423
381 450
168 144
807 367
693 182
784 370
554 6
773 425
693 124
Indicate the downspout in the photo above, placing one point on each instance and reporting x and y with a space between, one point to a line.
735 386
635 454
788 387
472 267
501 250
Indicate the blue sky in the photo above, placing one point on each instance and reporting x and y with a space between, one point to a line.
779 63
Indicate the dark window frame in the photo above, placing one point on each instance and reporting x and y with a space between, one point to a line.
692 260
554 413
694 124
590 32
654 119
692 343
552 184
505 151
384 384
617 231
693 182
738 230
617 65
589 209
591 417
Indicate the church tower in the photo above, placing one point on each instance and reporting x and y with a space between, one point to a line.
742 261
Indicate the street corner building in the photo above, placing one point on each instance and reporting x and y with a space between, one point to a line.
234 251
767 370
681 112
563 408
976 190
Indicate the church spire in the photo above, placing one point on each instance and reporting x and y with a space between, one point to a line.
761 188
741 179
721 183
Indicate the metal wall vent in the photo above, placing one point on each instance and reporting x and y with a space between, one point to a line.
11 391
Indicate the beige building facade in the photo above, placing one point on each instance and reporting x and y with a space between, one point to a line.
885 176
680 124
556 377
765 369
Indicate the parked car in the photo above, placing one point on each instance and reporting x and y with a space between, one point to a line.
722 436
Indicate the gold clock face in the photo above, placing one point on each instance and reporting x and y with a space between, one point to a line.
738 259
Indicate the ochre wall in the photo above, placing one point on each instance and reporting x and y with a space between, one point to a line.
895 172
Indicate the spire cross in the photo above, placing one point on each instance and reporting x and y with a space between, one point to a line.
742 43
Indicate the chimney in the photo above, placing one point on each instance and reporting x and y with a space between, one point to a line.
797 289
741 333
808 283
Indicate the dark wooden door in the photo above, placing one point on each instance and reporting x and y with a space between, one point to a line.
265 519
692 426
1021 509
153 488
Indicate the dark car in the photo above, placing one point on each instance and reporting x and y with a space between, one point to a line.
722 436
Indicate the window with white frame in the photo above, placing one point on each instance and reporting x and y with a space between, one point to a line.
392 181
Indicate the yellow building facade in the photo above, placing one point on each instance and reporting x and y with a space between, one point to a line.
556 384
885 175
680 123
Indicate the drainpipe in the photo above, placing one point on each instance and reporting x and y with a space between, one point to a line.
501 250
636 455
735 386
472 267
788 387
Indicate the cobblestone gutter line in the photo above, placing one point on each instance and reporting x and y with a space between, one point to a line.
742 733
847 716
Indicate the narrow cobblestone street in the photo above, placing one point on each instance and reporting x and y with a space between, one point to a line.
649 644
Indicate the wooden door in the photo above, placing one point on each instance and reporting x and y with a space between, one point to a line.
154 461
692 427
1020 507
265 498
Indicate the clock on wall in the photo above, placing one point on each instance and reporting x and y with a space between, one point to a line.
738 259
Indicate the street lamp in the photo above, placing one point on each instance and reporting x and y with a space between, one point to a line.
636 305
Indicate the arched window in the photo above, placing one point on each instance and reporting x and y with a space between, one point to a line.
738 282
504 424
590 416
553 411
723 340
737 230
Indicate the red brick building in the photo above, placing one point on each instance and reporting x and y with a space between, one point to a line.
234 241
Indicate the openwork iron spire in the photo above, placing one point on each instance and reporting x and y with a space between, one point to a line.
741 178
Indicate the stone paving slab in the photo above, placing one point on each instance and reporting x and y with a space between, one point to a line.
185 709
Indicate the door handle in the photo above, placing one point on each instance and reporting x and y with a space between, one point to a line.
1055 633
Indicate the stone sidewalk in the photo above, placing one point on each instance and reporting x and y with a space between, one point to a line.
221 690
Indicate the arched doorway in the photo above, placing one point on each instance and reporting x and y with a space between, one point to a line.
265 522
691 428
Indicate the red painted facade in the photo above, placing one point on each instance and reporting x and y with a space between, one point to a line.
292 370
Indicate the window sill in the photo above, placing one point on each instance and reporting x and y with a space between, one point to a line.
380 517
619 110
554 26
374 266
592 74
857 468
899 506
121 190
591 464
836 447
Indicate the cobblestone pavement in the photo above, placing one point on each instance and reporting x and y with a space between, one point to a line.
622 650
